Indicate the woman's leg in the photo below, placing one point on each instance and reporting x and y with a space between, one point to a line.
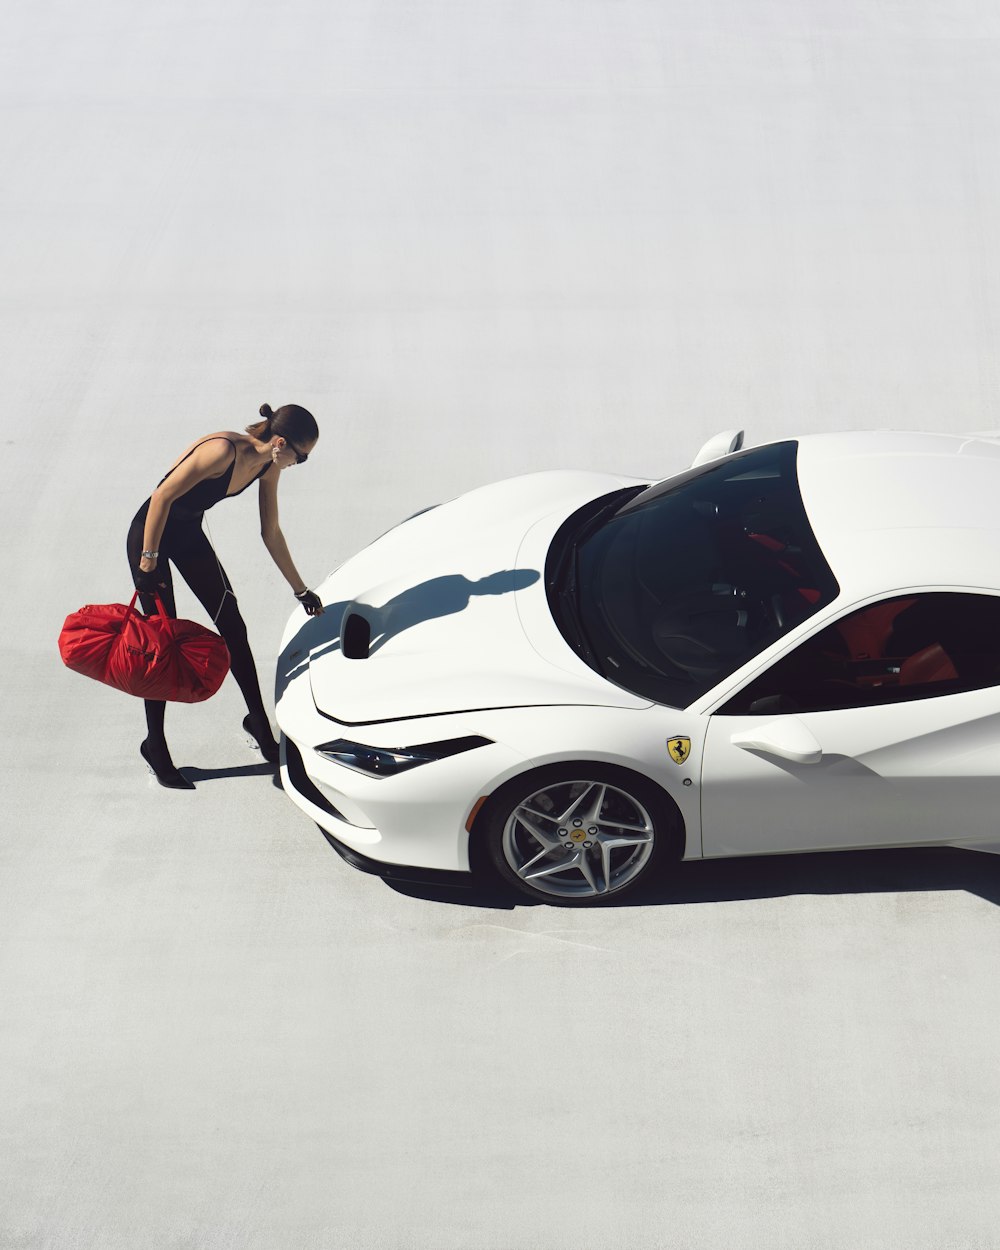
200 568
154 749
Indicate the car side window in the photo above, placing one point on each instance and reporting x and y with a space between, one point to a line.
909 647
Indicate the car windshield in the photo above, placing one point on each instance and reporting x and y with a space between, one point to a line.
672 590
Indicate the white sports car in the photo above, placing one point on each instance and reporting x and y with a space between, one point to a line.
573 679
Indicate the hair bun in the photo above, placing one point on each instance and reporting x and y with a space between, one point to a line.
265 412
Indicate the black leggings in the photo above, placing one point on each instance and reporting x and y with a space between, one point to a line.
185 545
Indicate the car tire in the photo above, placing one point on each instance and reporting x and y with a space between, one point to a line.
580 834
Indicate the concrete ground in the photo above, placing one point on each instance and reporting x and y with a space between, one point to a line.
475 239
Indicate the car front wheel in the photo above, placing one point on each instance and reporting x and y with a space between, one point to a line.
580 834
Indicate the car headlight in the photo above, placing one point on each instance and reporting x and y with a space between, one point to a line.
385 762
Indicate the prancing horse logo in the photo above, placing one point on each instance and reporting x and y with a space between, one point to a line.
679 748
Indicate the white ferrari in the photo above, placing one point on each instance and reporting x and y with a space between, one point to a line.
574 679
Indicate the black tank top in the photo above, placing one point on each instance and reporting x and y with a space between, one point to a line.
194 503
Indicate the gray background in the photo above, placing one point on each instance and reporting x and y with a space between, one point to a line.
476 239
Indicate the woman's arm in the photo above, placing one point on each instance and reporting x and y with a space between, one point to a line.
270 532
211 459
156 520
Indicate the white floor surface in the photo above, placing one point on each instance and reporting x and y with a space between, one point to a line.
476 239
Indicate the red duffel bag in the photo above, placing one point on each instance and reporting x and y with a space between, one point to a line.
154 657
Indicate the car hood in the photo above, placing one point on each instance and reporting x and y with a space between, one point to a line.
455 600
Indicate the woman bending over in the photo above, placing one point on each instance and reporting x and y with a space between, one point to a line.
167 529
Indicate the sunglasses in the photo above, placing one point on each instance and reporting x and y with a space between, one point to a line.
300 456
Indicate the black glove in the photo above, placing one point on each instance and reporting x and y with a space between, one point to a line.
311 601
151 583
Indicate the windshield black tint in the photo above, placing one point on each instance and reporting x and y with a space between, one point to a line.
693 577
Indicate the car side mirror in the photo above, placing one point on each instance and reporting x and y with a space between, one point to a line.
772 703
720 445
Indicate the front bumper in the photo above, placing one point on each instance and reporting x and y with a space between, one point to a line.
415 820
297 784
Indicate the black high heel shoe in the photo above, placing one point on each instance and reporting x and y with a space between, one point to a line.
168 777
264 741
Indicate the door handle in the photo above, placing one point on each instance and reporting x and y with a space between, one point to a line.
787 738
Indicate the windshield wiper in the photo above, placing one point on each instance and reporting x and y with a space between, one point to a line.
570 605
589 526
564 579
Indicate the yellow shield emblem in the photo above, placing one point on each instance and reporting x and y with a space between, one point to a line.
679 748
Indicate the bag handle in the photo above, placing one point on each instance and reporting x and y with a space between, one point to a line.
161 611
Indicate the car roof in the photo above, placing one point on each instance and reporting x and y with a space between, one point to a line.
894 510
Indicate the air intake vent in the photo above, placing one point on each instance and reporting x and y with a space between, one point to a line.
355 637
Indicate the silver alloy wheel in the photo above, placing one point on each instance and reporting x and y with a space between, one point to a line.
578 839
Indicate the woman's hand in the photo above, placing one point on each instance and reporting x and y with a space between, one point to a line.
311 601
148 581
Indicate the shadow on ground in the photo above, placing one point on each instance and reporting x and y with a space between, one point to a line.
772 876
219 774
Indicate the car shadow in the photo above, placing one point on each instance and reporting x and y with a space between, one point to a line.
903 870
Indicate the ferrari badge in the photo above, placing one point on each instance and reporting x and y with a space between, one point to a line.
679 748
